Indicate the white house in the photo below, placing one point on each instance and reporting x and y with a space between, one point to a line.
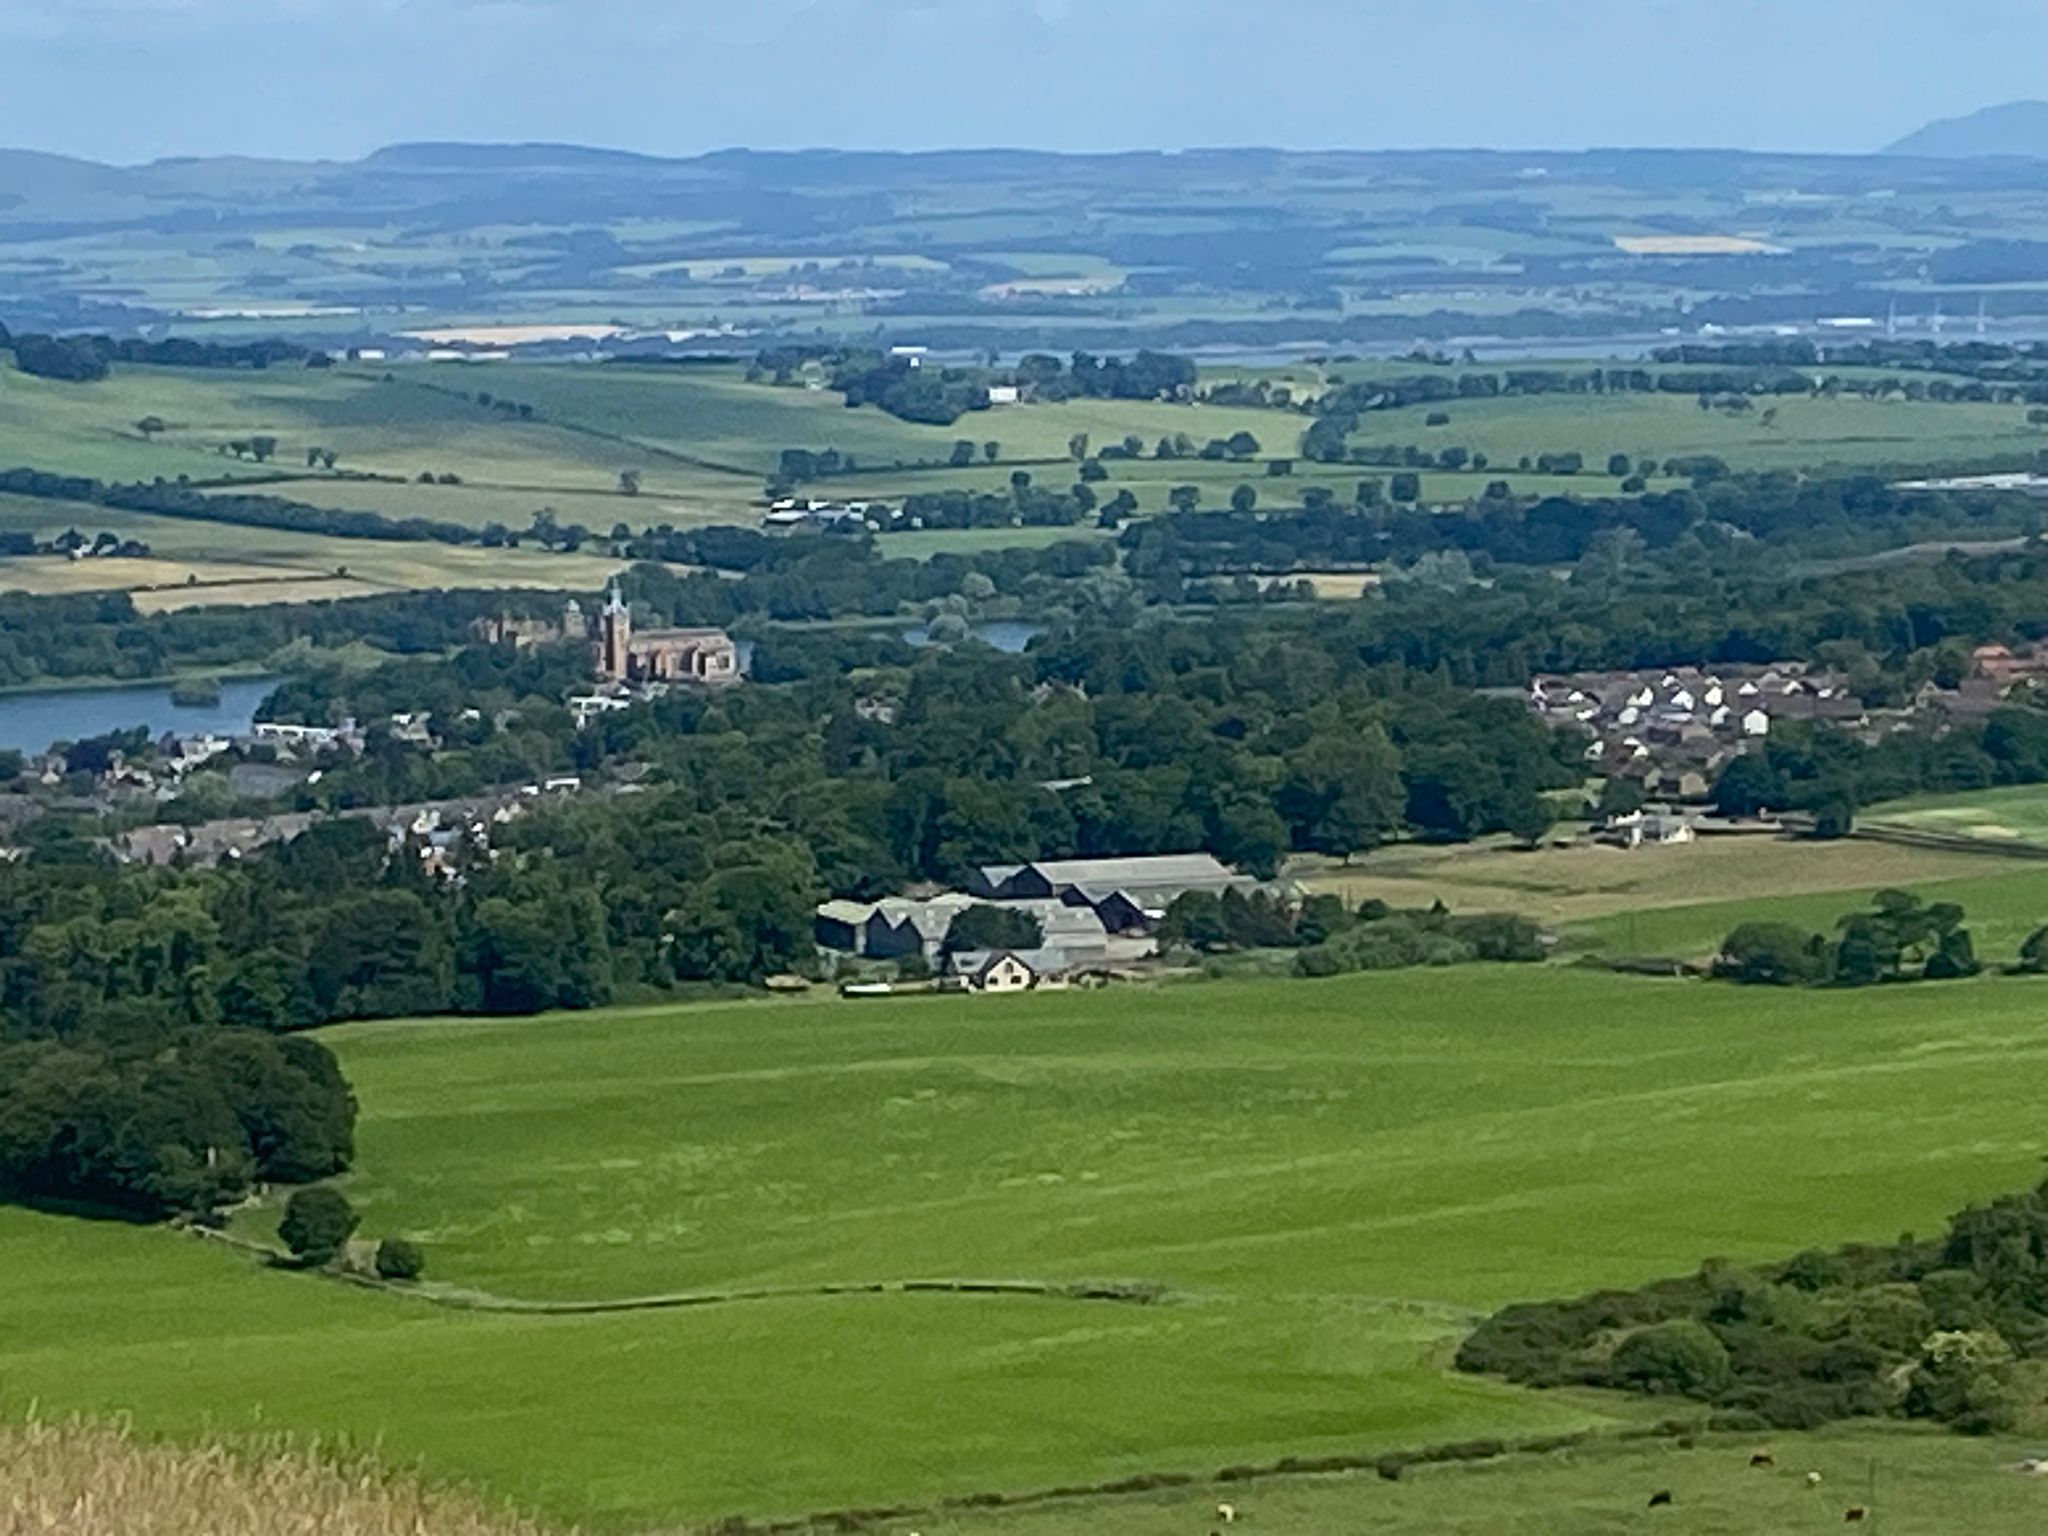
1650 827
997 972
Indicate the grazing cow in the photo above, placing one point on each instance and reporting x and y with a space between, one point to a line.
1813 1479
1227 1513
1660 1498
1763 1459
1855 1513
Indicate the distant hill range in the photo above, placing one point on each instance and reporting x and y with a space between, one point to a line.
2014 128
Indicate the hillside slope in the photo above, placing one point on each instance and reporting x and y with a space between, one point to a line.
2011 128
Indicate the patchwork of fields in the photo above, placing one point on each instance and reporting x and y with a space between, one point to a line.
1330 1179
702 439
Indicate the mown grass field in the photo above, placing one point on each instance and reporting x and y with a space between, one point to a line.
2017 815
1577 884
2004 903
1329 1178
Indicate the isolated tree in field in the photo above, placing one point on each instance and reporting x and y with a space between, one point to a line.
991 451
963 454
1184 498
312 458
1077 446
2034 953
1241 445
629 482
263 448
1406 487
1619 466
993 927
1243 499
400 1259
149 426
318 1223
328 457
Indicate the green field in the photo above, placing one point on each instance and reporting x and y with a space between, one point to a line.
1330 1179
2018 815
193 562
703 439
2003 909
1571 885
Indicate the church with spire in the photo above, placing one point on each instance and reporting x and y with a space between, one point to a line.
620 653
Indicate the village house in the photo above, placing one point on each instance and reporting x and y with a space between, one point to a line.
1649 828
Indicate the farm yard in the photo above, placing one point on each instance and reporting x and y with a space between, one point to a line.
1329 1181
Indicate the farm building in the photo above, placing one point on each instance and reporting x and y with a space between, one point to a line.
897 926
1125 893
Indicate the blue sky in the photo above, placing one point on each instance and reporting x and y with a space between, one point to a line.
133 79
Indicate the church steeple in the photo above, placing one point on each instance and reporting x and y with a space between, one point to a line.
615 638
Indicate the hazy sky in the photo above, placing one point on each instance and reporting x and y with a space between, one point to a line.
132 79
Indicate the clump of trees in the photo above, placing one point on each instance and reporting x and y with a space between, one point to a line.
1901 938
1332 938
121 1114
317 1225
986 926
1935 1330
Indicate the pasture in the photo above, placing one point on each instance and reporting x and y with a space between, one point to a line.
1329 1179
1912 1484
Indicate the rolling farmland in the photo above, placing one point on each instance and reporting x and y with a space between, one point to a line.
1329 1180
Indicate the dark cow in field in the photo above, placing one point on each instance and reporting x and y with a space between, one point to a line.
1660 1498
1763 1459
1855 1514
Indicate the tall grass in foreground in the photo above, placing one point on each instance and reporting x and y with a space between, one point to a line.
85 1480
